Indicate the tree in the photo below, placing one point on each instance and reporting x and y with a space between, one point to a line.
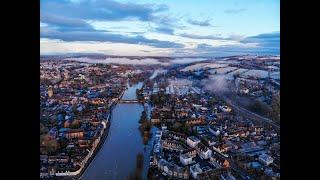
48 144
143 116
212 101
75 124
260 108
275 106
177 126
43 129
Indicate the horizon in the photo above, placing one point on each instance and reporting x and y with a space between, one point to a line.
150 56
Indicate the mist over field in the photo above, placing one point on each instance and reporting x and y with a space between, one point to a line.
136 61
217 84
145 61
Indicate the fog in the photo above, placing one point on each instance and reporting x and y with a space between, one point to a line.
180 82
217 84
143 61
186 60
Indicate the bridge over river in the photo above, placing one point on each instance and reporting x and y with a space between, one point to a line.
129 101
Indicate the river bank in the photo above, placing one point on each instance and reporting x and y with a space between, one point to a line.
102 140
117 158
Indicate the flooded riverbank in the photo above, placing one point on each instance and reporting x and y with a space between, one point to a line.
117 157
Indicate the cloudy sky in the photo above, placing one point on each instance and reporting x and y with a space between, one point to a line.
160 27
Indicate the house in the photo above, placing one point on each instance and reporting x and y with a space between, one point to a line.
58 159
225 109
191 152
94 122
176 136
172 170
266 159
214 130
83 143
155 121
203 151
195 121
164 127
74 133
195 170
193 141
158 134
172 145
200 129
44 158
220 161
208 140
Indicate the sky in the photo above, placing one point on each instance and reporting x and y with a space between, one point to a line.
160 27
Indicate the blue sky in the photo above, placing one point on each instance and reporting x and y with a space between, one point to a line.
160 28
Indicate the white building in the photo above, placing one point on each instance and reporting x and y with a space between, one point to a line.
164 127
225 108
214 131
266 159
195 170
205 154
186 159
193 141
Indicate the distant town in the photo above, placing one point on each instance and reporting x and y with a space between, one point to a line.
197 117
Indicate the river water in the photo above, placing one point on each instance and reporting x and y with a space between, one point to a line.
117 157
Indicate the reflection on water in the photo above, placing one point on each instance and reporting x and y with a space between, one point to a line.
121 152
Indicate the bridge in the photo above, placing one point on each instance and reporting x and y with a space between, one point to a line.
129 101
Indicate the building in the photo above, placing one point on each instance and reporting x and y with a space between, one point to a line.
203 151
214 130
266 159
186 159
155 121
176 136
74 133
197 121
225 109
172 170
172 145
195 170
193 141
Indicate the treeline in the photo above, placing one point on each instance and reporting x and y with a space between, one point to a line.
145 127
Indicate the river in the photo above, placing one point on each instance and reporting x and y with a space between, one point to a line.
118 155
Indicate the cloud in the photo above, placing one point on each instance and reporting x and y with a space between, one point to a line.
68 21
103 10
212 37
268 43
235 11
200 23
267 40
65 23
165 30
105 37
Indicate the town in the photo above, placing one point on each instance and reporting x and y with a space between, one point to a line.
76 101
212 119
